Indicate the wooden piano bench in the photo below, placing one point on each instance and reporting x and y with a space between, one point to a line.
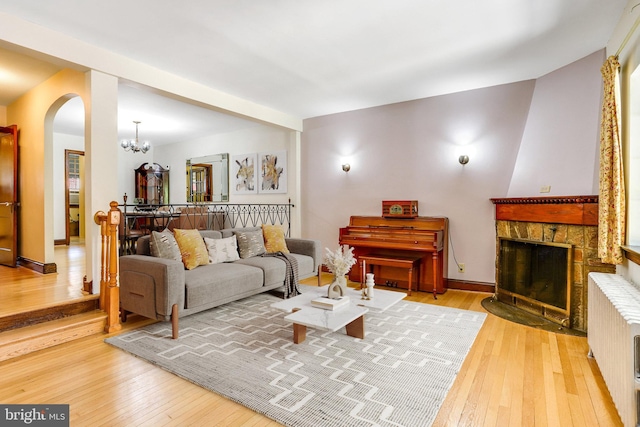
410 263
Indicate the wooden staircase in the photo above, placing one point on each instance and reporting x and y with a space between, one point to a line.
37 326
37 329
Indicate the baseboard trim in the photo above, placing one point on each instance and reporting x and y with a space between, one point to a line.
465 285
38 266
60 242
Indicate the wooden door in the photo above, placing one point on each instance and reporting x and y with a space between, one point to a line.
9 195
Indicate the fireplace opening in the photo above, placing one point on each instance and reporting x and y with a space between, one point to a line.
536 277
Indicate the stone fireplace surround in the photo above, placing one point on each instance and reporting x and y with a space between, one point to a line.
572 220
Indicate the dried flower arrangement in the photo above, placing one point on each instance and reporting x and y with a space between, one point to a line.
340 261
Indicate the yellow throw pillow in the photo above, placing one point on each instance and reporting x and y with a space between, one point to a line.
274 239
192 248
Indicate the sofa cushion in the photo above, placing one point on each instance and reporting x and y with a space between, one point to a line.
272 268
215 282
222 250
250 243
162 244
305 265
194 252
274 239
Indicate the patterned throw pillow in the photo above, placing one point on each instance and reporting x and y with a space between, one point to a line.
222 250
192 248
274 239
250 243
162 244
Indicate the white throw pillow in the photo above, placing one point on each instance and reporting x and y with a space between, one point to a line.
222 250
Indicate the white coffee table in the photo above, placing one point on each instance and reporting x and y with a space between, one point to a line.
304 315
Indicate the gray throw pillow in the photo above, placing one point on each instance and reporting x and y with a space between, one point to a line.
163 245
250 243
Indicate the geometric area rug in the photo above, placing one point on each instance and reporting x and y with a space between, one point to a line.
398 375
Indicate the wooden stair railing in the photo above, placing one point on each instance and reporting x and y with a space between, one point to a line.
109 290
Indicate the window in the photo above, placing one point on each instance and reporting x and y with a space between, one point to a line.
73 169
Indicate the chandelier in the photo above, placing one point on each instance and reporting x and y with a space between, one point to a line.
134 145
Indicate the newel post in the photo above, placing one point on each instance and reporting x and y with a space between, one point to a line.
109 290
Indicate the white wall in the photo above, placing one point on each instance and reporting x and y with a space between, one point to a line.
253 139
61 142
409 151
562 137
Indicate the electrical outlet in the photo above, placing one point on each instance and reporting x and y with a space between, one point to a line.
460 268
545 189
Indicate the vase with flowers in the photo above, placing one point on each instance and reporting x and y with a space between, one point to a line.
339 262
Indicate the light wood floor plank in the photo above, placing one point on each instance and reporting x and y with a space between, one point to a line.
466 382
485 410
508 354
497 370
577 349
565 361
528 381
511 387
173 409
549 385
598 392
476 407
540 401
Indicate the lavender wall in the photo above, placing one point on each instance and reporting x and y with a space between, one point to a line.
519 137
410 151
561 140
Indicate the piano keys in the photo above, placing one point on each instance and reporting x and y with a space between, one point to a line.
426 237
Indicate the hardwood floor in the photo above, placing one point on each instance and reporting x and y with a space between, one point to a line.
23 289
514 375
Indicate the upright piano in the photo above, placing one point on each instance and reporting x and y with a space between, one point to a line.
425 237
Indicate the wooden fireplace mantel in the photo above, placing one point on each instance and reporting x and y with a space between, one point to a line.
571 210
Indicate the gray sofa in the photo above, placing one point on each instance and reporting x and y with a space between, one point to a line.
162 289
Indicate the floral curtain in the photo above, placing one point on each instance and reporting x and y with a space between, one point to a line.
611 227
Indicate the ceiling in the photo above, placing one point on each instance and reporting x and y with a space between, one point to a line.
309 58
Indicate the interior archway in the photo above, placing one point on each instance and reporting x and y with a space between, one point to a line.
68 191
57 139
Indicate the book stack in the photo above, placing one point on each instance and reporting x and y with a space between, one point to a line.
330 303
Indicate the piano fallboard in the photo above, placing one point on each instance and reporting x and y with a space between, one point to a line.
374 237
423 236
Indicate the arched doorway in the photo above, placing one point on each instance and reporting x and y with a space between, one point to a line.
68 171
64 134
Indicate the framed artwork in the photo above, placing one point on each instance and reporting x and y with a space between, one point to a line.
244 173
273 174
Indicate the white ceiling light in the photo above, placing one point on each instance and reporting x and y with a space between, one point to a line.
133 144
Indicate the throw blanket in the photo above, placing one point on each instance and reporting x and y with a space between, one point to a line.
291 273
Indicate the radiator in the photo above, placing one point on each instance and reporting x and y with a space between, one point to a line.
614 340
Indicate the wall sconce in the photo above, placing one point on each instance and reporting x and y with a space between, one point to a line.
464 159
346 167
